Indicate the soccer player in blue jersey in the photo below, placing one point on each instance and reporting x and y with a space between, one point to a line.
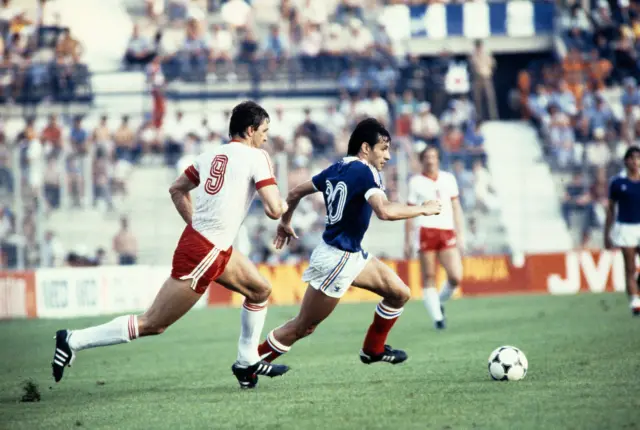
352 190
624 233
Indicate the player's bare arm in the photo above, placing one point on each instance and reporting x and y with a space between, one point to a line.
608 224
180 197
458 220
408 232
294 197
394 211
285 232
272 201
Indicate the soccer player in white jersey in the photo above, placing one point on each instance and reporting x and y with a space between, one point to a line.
624 232
352 190
225 181
440 238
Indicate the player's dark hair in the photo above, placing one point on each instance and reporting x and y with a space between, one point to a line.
429 148
246 114
633 150
368 131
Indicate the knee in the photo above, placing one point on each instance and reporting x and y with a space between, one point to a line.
455 278
260 293
404 294
148 327
400 295
454 281
429 280
155 330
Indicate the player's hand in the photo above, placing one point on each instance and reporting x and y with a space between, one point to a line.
432 207
284 233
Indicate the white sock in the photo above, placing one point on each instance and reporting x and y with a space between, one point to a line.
634 301
432 303
119 330
252 318
446 291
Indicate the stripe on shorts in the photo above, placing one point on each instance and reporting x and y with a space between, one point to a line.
202 267
335 272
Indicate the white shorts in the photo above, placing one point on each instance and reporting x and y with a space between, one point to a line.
332 270
626 235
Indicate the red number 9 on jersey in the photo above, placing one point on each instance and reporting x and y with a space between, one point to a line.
216 174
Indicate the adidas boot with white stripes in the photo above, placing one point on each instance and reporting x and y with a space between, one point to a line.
248 376
63 355
390 355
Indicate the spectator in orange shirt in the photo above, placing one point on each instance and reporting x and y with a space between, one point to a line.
452 139
599 70
404 120
524 89
52 134
68 49
574 72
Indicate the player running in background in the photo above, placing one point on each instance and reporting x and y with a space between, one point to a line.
624 208
440 237
352 189
225 182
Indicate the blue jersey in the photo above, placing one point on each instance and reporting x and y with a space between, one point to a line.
626 194
346 187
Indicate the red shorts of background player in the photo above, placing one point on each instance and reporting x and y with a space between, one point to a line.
435 239
158 108
198 259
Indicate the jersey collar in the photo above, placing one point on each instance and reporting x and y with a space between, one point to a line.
432 177
351 158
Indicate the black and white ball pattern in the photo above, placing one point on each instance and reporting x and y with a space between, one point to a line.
508 363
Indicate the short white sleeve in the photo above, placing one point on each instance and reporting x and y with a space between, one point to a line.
412 198
372 182
193 171
262 170
455 192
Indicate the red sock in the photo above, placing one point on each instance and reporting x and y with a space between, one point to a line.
384 318
271 349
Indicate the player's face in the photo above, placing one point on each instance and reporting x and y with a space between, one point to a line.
259 136
380 154
633 163
431 162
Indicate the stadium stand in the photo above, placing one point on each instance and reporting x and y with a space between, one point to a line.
187 62
41 59
586 107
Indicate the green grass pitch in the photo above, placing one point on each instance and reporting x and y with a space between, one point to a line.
583 351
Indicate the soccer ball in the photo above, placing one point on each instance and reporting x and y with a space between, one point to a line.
508 363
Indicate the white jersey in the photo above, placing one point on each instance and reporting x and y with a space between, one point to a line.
227 179
444 188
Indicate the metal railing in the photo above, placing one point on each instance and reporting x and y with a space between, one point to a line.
33 199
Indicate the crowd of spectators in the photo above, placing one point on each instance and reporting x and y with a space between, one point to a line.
65 163
263 38
59 163
572 104
40 59
440 101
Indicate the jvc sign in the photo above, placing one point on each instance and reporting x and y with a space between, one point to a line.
584 271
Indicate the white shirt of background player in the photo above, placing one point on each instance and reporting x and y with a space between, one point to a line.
444 188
